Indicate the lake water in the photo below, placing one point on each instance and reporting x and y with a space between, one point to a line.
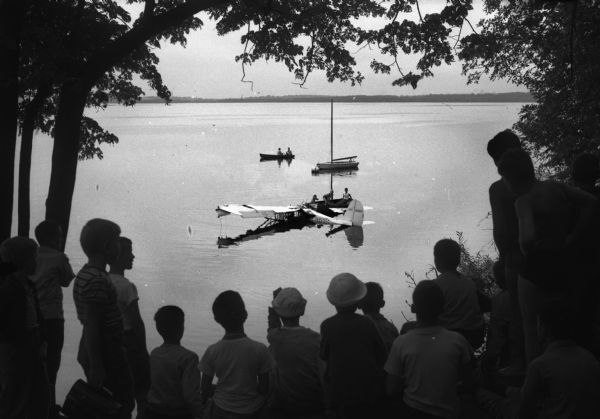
423 174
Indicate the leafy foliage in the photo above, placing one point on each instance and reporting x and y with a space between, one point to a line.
550 48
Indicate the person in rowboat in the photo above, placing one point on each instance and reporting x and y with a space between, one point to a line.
288 152
279 153
346 194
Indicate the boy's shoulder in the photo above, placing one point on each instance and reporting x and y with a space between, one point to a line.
175 352
295 333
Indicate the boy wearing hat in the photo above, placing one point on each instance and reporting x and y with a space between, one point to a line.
296 381
426 363
353 351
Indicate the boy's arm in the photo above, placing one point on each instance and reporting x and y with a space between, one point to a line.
529 393
393 385
588 205
273 319
498 220
263 384
139 329
526 224
66 273
191 386
93 343
274 322
206 387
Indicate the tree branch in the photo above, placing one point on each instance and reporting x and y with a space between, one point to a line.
114 52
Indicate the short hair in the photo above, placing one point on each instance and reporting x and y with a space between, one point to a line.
17 251
558 319
96 233
586 168
447 253
229 309
428 300
374 297
501 143
47 231
169 321
516 166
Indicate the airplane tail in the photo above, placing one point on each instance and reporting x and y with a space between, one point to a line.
355 213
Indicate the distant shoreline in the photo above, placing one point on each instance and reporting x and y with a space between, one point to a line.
432 98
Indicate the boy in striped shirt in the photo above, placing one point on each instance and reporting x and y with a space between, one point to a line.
101 351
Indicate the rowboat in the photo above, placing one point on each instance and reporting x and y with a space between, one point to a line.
276 156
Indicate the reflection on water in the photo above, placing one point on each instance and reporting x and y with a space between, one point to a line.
354 234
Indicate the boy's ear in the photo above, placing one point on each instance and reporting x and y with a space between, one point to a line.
245 315
382 304
412 308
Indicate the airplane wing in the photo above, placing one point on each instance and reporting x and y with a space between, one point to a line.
258 211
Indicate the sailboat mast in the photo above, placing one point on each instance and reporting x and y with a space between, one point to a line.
331 150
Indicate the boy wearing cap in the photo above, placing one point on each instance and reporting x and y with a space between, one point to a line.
426 364
370 306
353 351
296 380
241 365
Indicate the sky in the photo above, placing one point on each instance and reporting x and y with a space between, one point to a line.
206 68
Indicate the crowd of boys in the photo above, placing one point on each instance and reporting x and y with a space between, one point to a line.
543 333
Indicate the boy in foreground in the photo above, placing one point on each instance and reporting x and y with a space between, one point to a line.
354 354
296 382
240 364
101 348
427 363
175 384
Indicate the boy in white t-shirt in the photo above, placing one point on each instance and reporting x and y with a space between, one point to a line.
427 363
240 364
133 326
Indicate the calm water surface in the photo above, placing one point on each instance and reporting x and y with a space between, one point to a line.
424 174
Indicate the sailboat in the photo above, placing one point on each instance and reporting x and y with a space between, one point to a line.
341 163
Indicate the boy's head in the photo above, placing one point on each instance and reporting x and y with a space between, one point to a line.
125 259
49 233
499 274
555 321
345 291
100 238
516 168
428 301
446 255
20 253
373 300
501 143
585 169
289 303
170 323
229 310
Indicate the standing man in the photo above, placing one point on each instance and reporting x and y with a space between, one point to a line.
506 237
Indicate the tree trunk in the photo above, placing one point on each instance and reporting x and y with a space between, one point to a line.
27 129
65 154
11 15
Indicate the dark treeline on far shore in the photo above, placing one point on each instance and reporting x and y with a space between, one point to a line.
474 97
